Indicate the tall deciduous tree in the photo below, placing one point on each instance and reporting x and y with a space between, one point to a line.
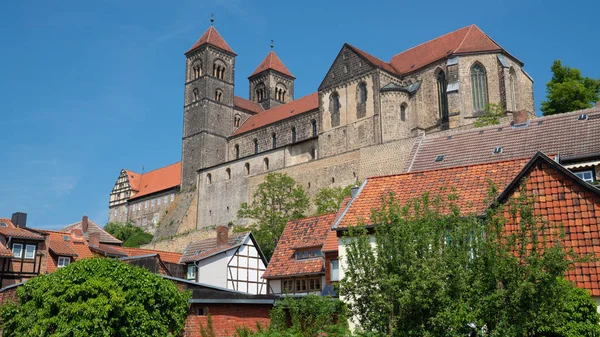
96 297
276 201
428 270
329 199
568 90
132 236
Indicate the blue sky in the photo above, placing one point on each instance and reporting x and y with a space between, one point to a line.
90 87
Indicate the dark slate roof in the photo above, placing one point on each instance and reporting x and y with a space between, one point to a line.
204 293
200 250
409 89
563 134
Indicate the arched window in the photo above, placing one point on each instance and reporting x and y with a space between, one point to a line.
209 179
362 93
247 168
313 153
280 91
293 134
196 95
334 107
196 70
218 95
266 164
237 151
403 112
236 120
274 139
228 173
442 96
255 145
313 124
512 89
260 92
219 69
479 87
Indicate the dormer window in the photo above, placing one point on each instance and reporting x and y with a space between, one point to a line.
63 261
308 254
191 272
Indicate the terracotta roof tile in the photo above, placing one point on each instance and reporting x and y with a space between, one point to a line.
158 180
281 112
169 257
465 40
17 232
560 134
134 179
244 104
8 222
212 37
272 61
103 236
5 252
469 183
203 249
74 247
108 249
302 233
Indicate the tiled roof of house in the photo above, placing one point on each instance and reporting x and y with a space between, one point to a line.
202 249
169 257
158 180
562 134
298 234
468 183
273 62
134 179
16 232
108 249
281 112
74 247
469 39
247 105
103 236
212 37
5 252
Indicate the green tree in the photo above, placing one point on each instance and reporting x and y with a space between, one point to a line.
276 201
329 199
428 270
568 90
491 115
131 235
96 297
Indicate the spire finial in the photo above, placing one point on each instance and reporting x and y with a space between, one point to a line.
272 44
212 19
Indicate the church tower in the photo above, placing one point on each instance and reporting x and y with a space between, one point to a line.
271 84
208 104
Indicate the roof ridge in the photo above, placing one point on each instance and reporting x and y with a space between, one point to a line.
160 168
314 216
464 38
435 38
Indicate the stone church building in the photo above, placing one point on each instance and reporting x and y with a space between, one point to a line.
363 119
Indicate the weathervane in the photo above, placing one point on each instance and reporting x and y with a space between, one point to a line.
272 44
212 18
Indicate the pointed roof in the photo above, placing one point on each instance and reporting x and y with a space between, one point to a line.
157 180
272 61
212 37
469 39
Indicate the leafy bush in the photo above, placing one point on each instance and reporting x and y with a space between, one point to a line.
96 297
131 235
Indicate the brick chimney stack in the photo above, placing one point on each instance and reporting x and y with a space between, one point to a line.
222 235
19 219
84 223
94 239
77 232
520 117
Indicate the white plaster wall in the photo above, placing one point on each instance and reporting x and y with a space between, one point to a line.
213 271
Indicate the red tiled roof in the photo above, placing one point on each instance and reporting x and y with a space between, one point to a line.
374 60
5 252
76 248
560 134
202 249
272 61
103 236
247 105
111 250
134 179
168 257
212 37
158 180
307 232
465 40
331 242
281 112
469 183
20 233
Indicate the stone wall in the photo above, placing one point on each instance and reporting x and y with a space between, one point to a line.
146 212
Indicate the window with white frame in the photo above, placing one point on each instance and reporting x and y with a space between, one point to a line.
63 261
166 199
17 249
335 270
153 202
587 176
191 272
30 251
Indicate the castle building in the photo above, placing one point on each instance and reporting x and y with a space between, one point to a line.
363 119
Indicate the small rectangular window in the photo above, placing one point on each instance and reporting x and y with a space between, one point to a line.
17 249
587 176
152 203
191 272
30 252
335 270
166 199
146 204
63 261
439 158
172 197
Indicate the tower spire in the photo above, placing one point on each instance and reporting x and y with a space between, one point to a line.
212 18
272 44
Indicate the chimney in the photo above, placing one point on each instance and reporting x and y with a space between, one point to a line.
84 223
94 239
77 232
354 191
19 219
520 117
222 233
